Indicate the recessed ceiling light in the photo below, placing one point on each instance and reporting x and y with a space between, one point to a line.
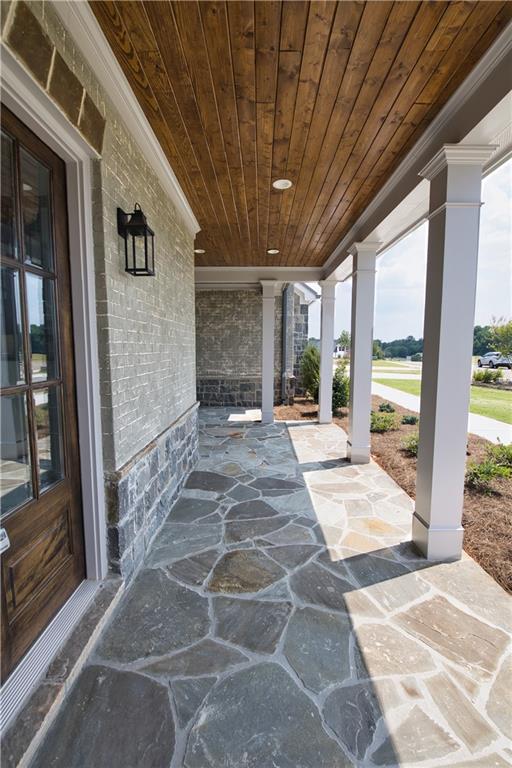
272 251
282 184
199 250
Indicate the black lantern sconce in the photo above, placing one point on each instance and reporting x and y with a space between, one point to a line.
140 252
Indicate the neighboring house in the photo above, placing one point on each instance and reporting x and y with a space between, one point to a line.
178 119
340 352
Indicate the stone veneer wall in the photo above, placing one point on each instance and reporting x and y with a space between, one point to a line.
300 339
146 332
228 343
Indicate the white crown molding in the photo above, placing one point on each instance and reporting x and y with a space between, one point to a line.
81 24
369 246
428 143
457 154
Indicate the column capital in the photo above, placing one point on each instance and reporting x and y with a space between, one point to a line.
268 288
369 246
328 289
457 154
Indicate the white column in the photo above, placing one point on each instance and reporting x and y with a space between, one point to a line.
267 352
455 175
328 307
361 349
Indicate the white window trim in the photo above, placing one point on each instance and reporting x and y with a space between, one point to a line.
25 98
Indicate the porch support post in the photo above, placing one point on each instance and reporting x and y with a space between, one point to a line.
455 175
361 348
267 352
326 350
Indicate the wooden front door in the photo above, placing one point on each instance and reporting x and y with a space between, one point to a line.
41 509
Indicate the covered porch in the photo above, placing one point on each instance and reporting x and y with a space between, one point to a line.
283 618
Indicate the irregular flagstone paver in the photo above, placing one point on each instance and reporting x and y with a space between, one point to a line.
499 702
471 585
313 584
458 712
209 481
244 571
292 534
385 651
455 634
353 713
298 503
190 509
156 616
489 761
317 647
417 738
177 540
108 721
243 493
239 530
205 658
278 591
275 483
194 570
252 624
188 696
293 555
250 510
258 718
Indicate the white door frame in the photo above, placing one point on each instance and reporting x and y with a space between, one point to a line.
25 98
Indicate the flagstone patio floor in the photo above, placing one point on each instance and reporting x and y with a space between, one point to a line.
283 620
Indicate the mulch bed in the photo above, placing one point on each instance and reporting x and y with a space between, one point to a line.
487 518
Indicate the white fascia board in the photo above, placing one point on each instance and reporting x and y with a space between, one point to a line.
87 34
309 294
477 101
244 276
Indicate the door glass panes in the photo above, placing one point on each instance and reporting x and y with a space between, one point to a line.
42 327
15 474
36 213
49 436
8 222
11 336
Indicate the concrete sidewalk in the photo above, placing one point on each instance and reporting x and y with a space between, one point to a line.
491 429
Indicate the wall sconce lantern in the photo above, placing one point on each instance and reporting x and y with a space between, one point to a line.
140 253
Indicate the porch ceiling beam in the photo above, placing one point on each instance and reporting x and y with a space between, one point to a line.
243 276
484 89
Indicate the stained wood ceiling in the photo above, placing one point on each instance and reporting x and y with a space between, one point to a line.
330 95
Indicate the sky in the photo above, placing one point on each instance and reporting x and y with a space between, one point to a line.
400 285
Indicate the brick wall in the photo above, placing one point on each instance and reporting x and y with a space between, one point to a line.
228 339
146 331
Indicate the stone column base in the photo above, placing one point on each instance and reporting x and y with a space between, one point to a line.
437 544
358 454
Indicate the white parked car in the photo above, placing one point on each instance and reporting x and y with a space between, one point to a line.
494 360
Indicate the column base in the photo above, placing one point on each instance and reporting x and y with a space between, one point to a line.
358 454
325 418
437 544
267 417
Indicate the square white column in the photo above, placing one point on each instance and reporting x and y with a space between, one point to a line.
328 307
267 351
361 351
455 175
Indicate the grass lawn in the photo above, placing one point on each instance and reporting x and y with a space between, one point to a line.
494 403
391 364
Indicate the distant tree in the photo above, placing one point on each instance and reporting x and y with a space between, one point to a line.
501 336
310 370
378 352
344 340
482 339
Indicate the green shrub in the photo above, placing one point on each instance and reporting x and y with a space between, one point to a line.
488 375
382 422
386 408
501 455
410 444
479 475
417 358
310 371
409 418
340 387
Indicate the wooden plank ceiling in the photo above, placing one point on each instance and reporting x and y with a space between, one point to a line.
329 95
